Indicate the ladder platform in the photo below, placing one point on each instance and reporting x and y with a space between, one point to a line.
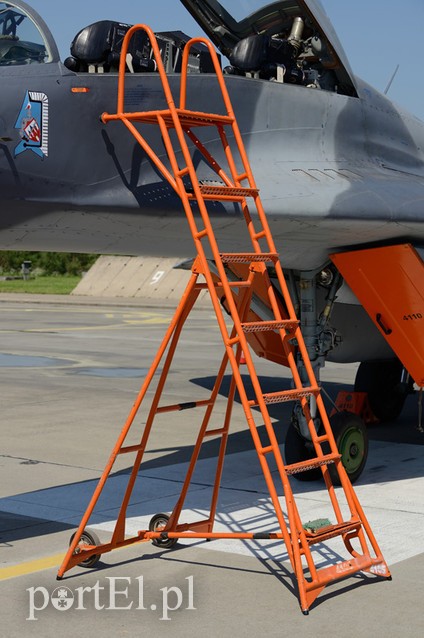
288 395
311 464
248 258
264 326
187 118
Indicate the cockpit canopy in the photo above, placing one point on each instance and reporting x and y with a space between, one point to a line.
22 40
290 38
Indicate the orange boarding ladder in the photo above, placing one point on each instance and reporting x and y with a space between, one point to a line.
236 185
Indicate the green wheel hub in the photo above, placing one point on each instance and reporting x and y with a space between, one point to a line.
352 449
351 437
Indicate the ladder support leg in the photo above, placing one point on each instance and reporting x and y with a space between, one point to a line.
188 299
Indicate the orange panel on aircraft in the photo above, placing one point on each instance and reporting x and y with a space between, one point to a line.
389 283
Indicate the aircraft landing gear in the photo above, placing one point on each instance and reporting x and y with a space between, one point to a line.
320 338
351 437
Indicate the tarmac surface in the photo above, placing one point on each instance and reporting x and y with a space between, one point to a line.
70 370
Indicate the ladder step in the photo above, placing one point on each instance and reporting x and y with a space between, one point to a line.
311 464
198 118
248 258
266 326
227 192
288 395
331 531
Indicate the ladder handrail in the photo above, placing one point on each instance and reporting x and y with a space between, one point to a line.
217 68
123 63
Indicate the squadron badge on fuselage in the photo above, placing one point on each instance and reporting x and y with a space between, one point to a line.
32 122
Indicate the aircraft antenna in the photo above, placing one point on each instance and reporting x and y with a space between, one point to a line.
391 80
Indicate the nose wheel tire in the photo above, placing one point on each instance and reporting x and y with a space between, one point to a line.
381 381
157 523
88 537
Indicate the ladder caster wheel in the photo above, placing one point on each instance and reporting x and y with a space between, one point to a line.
158 522
87 538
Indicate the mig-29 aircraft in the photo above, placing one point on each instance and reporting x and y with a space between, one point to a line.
340 170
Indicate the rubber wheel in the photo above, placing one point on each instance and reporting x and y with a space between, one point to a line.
381 380
158 522
87 538
350 434
297 449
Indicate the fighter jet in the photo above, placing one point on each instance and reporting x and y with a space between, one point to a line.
339 166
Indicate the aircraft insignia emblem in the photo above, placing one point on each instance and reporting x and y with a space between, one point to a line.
32 122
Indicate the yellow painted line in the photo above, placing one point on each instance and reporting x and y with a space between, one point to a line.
127 323
31 567
75 328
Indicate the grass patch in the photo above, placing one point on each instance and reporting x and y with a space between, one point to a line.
43 285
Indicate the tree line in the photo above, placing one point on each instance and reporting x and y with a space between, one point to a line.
46 263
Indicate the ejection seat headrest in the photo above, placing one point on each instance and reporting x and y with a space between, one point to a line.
101 43
251 53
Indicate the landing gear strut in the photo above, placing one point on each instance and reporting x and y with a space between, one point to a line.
320 338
